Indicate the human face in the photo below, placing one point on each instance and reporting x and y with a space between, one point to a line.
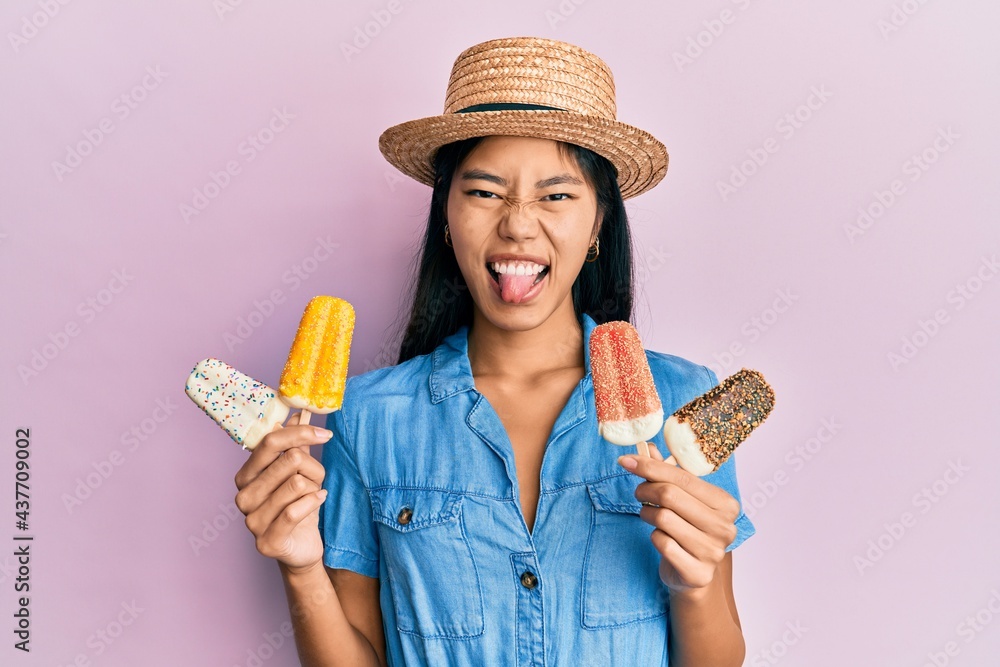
521 217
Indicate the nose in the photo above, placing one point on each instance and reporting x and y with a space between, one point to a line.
518 222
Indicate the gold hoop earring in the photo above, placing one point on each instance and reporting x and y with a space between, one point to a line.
594 251
447 236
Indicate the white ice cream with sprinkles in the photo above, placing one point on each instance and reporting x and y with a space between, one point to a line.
245 408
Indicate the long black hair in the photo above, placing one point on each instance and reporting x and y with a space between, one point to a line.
441 300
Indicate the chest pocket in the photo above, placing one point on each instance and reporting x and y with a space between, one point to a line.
621 581
432 573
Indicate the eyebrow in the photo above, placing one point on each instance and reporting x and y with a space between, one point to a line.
480 175
558 180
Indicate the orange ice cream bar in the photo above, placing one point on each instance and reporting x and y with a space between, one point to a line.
316 371
629 411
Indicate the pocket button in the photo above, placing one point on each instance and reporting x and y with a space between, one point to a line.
529 580
405 516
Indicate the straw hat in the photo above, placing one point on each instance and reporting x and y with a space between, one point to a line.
530 87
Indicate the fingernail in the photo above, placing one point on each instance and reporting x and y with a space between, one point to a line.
322 494
628 462
322 433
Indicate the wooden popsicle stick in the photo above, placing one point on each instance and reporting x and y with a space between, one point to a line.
643 448
304 418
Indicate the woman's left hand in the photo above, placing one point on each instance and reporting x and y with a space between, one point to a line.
694 520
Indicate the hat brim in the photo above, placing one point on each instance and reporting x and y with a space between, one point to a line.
641 159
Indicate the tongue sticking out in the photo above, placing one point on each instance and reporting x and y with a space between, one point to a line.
513 288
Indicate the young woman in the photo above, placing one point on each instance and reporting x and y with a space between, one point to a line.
466 511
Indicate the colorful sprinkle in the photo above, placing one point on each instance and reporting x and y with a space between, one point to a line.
228 396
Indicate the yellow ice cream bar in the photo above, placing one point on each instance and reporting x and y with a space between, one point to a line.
316 370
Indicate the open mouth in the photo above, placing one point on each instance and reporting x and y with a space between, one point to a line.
517 281
497 269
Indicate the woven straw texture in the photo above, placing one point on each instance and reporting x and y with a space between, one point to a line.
531 70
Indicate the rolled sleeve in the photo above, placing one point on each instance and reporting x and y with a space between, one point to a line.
349 539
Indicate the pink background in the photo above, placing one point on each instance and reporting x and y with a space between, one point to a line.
851 563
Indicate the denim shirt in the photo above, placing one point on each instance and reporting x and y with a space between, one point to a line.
423 494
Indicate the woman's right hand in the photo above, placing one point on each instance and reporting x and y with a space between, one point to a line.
280 493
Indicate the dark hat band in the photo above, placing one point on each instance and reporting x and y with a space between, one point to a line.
507 106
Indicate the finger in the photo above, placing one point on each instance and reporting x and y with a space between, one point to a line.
662 471
290 517
691 571
719 523
284 463
699 544
295 487
276 443
299 421
715 522
291 462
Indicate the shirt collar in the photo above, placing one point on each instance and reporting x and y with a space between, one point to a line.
451 372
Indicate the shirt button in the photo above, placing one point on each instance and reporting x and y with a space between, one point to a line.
529 580
405 515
